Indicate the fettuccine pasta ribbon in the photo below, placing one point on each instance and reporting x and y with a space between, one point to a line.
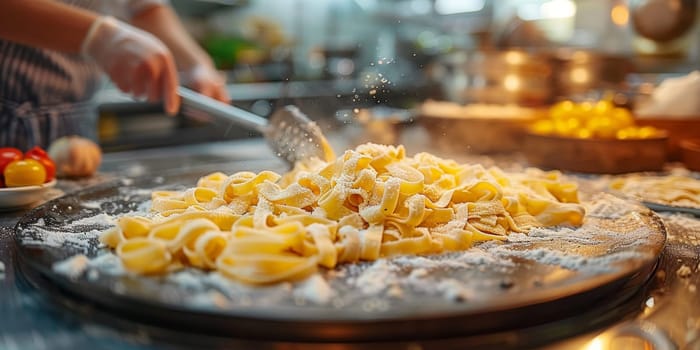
369 203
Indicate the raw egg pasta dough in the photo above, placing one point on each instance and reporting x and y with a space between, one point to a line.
673 190
370 202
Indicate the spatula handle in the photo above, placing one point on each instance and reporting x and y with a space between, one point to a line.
219 109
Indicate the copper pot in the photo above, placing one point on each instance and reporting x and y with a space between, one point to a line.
579 71
528 78
500 77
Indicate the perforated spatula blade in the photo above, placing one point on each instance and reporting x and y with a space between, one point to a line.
294 137
291 135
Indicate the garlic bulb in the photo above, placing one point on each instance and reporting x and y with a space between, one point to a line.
75 156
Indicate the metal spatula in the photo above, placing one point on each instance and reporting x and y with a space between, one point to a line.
290 134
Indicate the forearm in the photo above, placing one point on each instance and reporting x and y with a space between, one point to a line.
162 22
46 24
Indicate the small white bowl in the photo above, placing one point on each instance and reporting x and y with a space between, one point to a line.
18 197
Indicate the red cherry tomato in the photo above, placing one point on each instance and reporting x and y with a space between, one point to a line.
8 155
38 154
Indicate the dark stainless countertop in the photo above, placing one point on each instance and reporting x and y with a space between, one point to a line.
29 320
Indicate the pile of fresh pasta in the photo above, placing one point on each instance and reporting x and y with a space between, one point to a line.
671 190
370 202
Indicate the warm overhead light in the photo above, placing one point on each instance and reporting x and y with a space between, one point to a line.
512 83
551 9
620 15
514 58
580 75
595 344
558 9
449 7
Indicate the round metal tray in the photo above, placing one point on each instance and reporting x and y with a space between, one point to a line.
527 292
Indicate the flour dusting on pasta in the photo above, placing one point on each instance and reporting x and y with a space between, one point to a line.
376 285
369 203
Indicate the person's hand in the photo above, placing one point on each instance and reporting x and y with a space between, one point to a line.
136 61
206 80
75 156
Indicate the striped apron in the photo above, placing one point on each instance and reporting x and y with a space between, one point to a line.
46 94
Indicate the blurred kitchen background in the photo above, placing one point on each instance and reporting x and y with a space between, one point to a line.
335 57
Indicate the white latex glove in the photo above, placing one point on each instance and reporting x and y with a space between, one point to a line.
136 61
75 156
206 80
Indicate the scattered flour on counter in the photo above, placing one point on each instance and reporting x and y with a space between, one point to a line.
45 236
600 264
392 277
210 300
395 291
226 285
686 221
384 276
57 239
92 274
377 277
99 219
581 237
682 227
395 277
186 279
421 262
565 234
107 264
242 294
91 204
587 235
144 207
381 278
314 289
418 274
549 257
610 207
457 260
72 267
454 290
